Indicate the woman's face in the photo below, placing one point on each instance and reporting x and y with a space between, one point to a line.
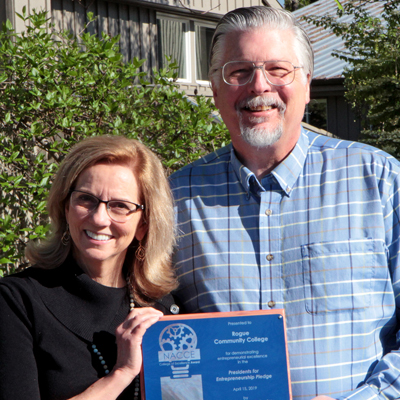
97 239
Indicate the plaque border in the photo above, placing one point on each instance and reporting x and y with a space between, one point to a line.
225 314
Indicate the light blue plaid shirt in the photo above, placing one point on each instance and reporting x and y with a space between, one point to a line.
319 237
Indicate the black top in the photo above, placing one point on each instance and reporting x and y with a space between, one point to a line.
49 320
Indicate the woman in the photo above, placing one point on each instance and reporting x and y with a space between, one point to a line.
72 325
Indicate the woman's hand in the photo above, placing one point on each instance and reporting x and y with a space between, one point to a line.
129 337
129 357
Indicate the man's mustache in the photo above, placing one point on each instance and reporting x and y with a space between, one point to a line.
257 101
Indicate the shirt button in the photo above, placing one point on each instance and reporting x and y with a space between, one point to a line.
268 212
270 257
174 309
271 304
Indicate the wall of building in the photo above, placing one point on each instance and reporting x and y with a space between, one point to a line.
341 118
8 8
216 6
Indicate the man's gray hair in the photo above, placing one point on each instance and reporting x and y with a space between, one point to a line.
259 17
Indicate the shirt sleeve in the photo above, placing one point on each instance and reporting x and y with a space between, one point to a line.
384 381
18 369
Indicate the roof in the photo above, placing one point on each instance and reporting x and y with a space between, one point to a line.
325 42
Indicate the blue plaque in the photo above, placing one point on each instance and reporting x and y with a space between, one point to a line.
212 356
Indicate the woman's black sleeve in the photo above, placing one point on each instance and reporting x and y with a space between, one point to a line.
18 369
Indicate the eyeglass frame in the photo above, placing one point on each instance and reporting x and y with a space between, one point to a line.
138 206
259 67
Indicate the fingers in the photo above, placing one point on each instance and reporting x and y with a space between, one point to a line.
129 337
139 319
144 311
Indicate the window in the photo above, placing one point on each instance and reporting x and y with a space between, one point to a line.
173 42
188 43
204 36
316 113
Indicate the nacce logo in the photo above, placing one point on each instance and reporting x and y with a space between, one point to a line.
178 344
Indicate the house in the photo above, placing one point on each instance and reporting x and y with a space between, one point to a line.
148 29
151 29
328 108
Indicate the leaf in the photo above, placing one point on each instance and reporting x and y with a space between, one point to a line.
339 5
44 181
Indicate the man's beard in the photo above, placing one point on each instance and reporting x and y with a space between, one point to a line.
266 136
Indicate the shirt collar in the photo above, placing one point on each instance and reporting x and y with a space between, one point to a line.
286 173
243 174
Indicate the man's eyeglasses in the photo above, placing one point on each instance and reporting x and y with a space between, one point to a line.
277 73
118 210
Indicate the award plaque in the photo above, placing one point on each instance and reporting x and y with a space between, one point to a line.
213 356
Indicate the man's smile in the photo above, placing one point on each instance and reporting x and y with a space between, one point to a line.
261 104
259 108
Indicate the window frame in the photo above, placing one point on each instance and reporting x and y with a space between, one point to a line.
204 25
187 36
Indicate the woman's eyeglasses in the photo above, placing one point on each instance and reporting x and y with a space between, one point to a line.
118 210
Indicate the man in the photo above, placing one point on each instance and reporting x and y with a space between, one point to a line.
285 218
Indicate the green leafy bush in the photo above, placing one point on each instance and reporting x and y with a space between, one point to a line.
56 89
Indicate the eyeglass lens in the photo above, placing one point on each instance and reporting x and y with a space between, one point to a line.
118 210
239 73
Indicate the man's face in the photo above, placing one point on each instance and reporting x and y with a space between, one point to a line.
259 113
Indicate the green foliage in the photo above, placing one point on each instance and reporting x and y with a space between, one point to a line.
372 79
293 5
56 89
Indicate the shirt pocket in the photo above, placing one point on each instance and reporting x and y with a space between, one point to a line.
338 276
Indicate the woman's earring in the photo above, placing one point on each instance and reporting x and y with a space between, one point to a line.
140 254
65 238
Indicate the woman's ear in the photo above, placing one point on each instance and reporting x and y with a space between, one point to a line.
66 210
141 229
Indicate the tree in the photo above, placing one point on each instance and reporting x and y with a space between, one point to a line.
293 5
56 89
372 78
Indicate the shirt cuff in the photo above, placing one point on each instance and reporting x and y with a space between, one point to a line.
364 392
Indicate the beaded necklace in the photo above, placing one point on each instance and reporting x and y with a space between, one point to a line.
97 352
